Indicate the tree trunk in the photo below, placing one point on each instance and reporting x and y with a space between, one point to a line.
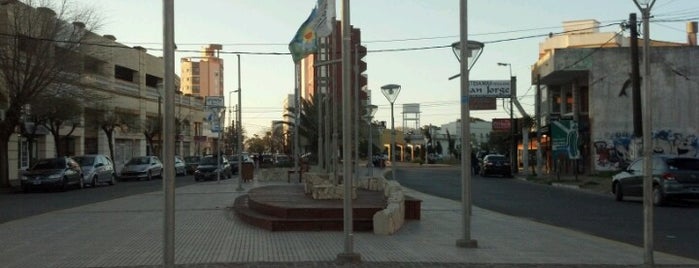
4 159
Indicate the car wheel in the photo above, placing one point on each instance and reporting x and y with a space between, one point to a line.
658 197
64 185
112 180
94 181
149 176
618 192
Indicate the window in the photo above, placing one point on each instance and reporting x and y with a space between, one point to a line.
152 81
123 73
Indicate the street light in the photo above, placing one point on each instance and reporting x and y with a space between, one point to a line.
513 145
467 52
370 112
645 6
391 91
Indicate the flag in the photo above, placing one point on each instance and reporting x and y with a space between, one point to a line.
323 24
305 41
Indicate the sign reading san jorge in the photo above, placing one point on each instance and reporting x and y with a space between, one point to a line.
489 88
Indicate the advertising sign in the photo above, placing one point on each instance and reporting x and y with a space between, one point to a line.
214 102
482 103
565 140
501 124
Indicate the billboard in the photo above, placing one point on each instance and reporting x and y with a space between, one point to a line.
565 140
411 108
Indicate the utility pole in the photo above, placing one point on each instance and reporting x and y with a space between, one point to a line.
635 85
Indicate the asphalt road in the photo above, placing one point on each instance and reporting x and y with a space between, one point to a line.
16 205
676 226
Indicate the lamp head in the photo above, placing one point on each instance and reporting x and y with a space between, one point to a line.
371 110
503 64
390 91
473 51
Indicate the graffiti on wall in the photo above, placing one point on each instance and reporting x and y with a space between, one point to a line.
614 152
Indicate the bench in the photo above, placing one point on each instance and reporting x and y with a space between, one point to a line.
304 167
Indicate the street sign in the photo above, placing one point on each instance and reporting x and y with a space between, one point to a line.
215 126
214 102
489 88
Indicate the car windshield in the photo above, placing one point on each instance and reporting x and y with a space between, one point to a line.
85 160
53 163
192 159
208 161
138 161
683 164
496 158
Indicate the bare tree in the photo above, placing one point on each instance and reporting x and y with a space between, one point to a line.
151 128
34 55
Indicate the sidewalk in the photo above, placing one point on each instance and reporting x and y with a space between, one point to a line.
127 232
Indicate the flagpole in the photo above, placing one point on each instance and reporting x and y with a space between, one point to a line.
348 256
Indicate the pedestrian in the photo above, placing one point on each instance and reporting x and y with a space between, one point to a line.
474 163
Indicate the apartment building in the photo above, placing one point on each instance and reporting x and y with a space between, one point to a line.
129 80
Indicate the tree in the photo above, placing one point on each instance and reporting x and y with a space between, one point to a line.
150 128
109 120
256 145
37 57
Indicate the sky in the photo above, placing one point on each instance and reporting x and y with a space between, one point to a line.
510 29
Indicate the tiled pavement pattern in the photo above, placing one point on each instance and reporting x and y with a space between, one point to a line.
127 232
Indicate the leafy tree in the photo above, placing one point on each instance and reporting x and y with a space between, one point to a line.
151 127
37 58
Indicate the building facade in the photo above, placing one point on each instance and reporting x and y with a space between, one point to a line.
584 78
128 81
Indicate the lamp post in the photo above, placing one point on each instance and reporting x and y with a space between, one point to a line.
391 91
467 52
645 6
240 133
513 144
370 112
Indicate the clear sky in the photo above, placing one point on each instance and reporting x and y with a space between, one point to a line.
261 26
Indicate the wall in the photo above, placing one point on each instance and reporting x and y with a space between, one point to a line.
675 119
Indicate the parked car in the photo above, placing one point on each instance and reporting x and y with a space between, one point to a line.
209 168
495 164
55 173
180 167
192 162
673 177
142 167
97 168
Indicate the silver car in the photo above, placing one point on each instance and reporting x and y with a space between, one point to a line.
673 177
97 168
142 167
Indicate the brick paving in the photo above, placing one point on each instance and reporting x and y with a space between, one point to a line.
127 232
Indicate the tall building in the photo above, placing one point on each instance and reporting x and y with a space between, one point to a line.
203 76
328 77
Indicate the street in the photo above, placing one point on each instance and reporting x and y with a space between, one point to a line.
598 214
19 205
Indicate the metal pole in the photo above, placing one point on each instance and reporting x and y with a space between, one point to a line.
297 114
465 240
169 127
240 132
647 146
538 125
393 146
370 154
357 112
348 256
